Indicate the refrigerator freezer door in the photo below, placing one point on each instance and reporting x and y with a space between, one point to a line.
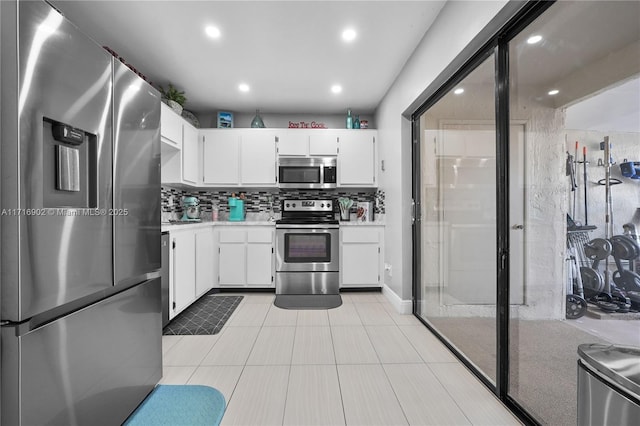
51 257
136 197
92 367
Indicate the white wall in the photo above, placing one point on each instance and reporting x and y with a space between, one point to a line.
625 197
455 27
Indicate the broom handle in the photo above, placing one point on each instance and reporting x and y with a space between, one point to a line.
574 185
584 164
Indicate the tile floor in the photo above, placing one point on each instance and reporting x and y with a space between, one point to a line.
359 364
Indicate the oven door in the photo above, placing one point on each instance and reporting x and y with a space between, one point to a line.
307 248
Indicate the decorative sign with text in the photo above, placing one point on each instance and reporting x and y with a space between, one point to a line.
307 125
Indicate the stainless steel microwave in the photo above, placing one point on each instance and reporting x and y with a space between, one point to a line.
307 173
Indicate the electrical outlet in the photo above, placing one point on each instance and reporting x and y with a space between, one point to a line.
388 269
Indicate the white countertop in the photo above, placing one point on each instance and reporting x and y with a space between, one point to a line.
170 227
358 223
167 227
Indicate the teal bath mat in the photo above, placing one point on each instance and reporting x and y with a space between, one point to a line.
179 405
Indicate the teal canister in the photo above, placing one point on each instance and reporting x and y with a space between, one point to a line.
236 209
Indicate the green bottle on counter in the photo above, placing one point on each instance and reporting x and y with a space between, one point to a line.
356 122
349 119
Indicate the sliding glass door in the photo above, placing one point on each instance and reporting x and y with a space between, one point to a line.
457 292
573 89
523 159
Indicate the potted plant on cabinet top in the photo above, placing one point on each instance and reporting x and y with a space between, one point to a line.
174 98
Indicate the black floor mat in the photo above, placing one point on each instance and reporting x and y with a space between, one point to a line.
206 316
307 301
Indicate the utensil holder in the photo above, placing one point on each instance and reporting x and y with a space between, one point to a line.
345 215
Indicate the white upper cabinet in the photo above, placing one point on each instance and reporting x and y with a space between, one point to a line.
170 126
357 158
221 156
190 163
323 143
180 149
293 143
304 143
248 157
258 157
234 157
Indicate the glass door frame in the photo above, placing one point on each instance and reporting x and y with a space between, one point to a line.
496 45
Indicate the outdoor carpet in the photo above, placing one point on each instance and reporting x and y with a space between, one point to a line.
206 315
175 405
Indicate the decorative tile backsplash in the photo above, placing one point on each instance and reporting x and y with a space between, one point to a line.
260 201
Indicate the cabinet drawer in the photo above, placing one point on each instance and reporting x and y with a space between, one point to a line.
232 235
360 235
260 235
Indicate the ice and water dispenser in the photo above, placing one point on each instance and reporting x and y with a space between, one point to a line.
69 165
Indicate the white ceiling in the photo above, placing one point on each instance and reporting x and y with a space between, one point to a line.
290 53
616 109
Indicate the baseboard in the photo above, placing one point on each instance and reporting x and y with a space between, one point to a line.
401 306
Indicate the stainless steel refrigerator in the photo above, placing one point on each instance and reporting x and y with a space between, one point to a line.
80 226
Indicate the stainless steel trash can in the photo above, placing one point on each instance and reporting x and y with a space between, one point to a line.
608 385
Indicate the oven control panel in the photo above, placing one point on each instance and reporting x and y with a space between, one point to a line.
307 205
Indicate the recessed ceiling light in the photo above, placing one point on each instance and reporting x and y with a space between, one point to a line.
534 39
349 35
459 91
243 87
554 92
336 88
213 32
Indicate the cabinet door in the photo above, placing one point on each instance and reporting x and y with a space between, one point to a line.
356 158
259 261
360 264
293 143
184 277
190 157
221 149
170 126
260 257
323 143
258 157
204 261
232 264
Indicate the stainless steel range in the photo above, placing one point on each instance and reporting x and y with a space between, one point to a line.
307 254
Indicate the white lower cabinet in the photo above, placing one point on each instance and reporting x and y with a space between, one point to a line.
361 249
191 271
232 256
182 281
245 256
204 261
